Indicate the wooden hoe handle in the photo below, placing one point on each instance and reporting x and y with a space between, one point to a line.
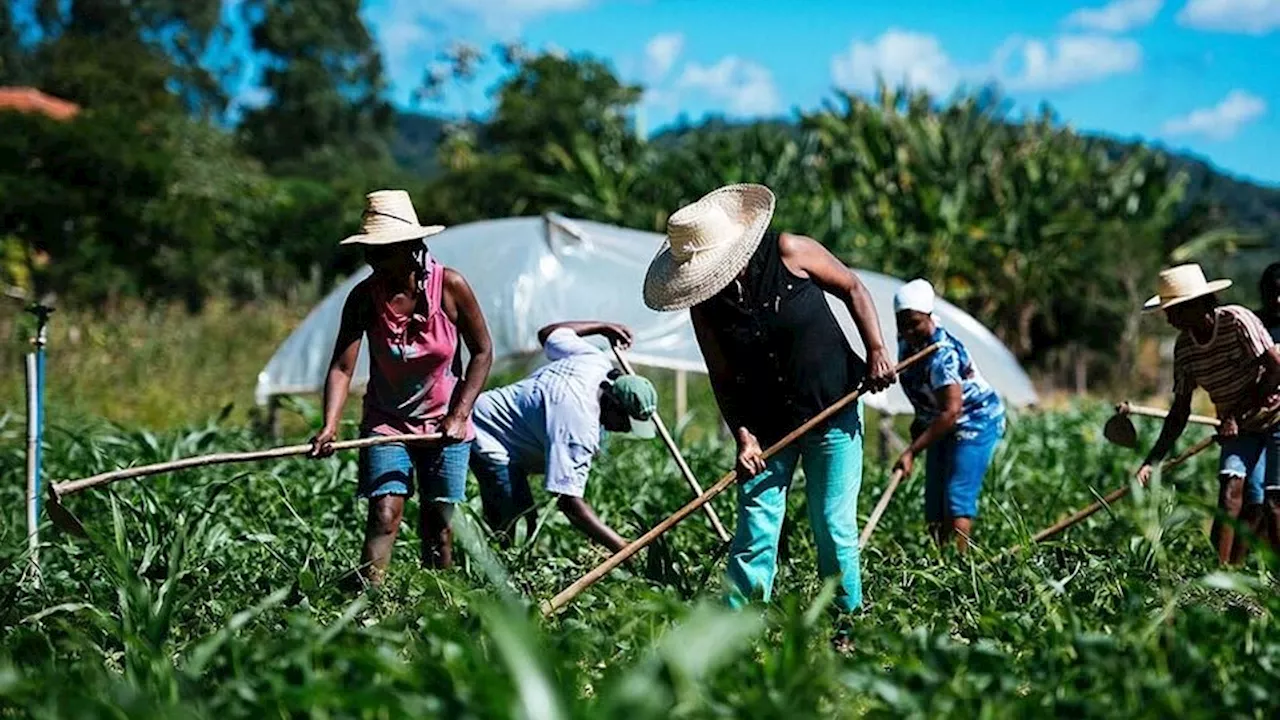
73 486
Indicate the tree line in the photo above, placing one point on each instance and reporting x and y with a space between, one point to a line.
165 187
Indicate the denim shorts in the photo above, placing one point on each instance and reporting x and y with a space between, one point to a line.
389 469
955 467
1245 456
504 488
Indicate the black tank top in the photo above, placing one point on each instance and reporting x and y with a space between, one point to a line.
788 358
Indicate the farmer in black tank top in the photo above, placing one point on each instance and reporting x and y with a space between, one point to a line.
776 357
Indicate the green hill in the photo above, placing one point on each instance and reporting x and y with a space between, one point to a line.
415 141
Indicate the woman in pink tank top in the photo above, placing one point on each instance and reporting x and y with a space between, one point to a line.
415 312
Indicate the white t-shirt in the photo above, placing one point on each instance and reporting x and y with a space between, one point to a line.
548 422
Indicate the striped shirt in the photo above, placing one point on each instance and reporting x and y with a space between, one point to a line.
1228 365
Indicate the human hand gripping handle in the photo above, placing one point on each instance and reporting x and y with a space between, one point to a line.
1229 428
1143 475
453 428
750 456
619 335
322 443
906 461
880 371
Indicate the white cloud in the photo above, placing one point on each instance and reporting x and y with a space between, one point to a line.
660 55
521 9
1068 60
1222 121
251 98
406 27
406 32
411 33
1116 16
899 56
742 86
1251 17
920 61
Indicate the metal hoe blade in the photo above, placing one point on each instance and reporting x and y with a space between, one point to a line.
1120 430
62 517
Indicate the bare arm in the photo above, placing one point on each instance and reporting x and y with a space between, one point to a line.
618 334
1172 429
582 517
808 258
475 333
342 366
952 403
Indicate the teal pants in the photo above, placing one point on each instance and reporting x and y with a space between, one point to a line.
832 459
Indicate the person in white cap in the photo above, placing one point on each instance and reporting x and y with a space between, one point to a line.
959 417
1227 351
776 357
415 313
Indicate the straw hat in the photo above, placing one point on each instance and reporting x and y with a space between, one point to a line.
708 243
389 218
1182 283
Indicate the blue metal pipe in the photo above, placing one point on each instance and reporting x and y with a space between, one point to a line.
39 424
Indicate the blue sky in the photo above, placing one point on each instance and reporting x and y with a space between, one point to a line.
1200 75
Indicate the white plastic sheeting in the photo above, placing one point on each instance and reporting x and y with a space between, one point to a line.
530 271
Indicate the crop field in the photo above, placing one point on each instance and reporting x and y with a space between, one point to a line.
214 593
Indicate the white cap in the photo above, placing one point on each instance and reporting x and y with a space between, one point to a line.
916 295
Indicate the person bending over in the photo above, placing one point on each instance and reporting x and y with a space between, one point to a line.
776 357
552 423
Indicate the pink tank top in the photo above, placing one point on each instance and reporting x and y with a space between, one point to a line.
414 361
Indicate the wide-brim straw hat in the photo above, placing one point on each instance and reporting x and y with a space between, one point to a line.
1182 283
389 218
708 244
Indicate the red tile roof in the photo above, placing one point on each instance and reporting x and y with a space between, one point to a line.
28 99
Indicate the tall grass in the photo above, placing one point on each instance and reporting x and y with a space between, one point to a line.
149 366
214 594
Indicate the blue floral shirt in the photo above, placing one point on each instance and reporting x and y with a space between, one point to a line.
949 365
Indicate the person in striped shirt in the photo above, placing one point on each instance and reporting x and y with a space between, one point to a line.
1226 350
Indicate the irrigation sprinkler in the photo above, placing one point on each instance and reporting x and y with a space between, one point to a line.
35 373
564 597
